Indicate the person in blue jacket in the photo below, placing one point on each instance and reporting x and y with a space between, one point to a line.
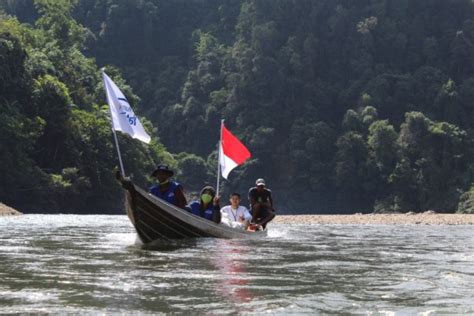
170 191
208 205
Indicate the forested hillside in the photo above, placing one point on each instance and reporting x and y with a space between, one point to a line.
56 151
346 106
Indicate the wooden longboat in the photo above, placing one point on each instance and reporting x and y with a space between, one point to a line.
155 219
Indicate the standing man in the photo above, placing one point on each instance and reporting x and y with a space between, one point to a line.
235 215
170 191
261 203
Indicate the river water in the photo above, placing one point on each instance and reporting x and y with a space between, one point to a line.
77 264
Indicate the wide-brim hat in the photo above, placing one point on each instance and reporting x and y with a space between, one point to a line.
163 168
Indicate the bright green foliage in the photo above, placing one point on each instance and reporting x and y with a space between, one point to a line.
466 202
352 172
56 151
345 106
432 164
382 143
193 171
58 25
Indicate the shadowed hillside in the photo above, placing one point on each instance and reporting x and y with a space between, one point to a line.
345 105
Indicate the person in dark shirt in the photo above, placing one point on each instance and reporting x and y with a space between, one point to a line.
208 205
170 191
261 203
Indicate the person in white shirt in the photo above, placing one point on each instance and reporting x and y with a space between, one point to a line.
235 215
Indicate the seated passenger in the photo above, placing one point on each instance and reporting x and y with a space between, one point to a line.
261 203
207 206
170 191
235 215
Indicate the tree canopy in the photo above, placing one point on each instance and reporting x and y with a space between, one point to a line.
345 106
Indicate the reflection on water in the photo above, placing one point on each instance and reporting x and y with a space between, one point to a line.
76 264
229 260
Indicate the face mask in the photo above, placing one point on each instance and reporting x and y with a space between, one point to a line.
206 198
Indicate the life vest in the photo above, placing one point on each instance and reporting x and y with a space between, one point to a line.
207 213
168 195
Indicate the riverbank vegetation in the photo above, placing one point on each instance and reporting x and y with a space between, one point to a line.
344 105
56 147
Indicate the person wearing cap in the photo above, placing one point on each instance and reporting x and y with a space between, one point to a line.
261 203
170 191
208 205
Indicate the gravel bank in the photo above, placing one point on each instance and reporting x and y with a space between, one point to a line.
426 218
7 211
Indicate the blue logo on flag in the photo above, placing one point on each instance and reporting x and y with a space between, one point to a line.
132 119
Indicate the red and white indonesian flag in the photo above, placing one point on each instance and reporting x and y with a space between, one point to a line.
123 118
231 152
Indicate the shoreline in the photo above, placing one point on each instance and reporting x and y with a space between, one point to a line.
410 218
6 210
427 218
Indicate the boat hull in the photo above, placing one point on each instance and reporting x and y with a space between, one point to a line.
155 219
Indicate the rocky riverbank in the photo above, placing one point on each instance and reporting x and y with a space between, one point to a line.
8 211
427 218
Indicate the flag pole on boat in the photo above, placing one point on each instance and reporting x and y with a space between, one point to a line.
122 169
232 153
219 159
122 117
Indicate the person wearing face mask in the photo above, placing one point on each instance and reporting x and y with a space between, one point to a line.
170 191
208 205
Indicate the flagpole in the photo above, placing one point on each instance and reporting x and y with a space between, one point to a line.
219 160
122 170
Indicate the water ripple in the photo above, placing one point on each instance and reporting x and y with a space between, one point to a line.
76 264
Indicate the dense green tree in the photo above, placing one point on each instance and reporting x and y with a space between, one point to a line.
18 132
466 202
382 141
193 172
351 171
344 105
56 149
52 104
432 162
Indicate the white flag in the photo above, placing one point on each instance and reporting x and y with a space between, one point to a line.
123 118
